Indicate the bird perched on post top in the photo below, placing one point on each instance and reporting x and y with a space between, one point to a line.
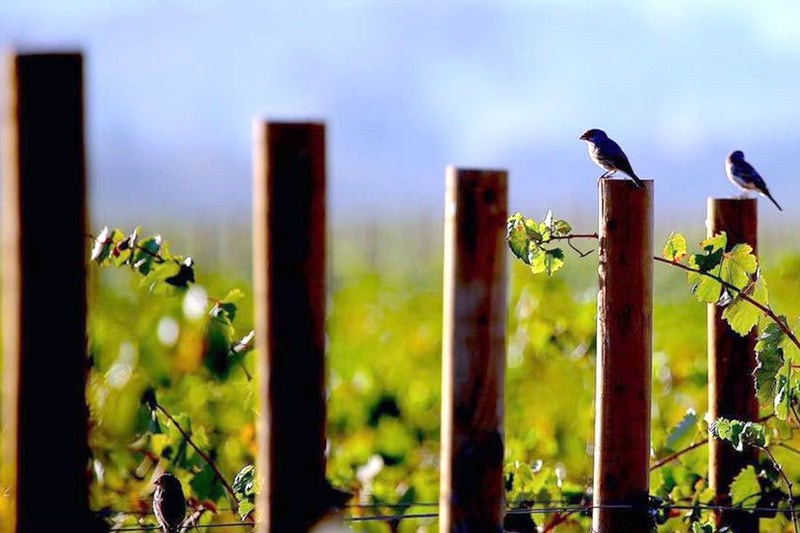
169 504
744 176
608 155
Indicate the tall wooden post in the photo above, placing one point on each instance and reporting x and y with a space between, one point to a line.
289 270
44 293
731 362
624 355
473 351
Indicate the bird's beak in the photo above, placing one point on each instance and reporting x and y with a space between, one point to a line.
582 137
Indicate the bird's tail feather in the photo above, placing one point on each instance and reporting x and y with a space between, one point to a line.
768 195
639 183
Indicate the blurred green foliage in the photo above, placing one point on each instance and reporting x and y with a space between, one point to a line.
384 344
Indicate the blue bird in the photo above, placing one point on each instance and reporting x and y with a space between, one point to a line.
744 176
607 155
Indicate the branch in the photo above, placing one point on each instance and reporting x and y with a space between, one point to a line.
560 518
788 483
576 236
201 453
672 457
740 292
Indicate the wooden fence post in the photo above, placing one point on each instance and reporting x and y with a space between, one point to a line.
289 271
472 493
624 354
731 362
44 251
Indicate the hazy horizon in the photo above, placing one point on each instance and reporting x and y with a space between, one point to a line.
406 89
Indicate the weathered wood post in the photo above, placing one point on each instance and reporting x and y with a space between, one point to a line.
731 362
624 358
473 351
289 271
44 254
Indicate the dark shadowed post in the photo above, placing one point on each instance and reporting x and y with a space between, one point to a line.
289 270
731 361
44 294
624 353
473 351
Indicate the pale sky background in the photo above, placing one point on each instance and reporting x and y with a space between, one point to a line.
408 87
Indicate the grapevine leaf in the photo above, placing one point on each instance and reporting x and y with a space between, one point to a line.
680 435
790 350
745 486
782 396
561 228
742 315
184 276
739 265
740 434
218 346
675 248
245 490
550 261
206 486
159 273
544 229
770 359
536 258
145 254
517 237
716 243
704 288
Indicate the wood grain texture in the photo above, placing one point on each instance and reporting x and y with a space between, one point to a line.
731 362
44 254
624 355
472 494
289 232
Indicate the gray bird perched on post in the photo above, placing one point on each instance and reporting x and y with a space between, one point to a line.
608 155
744 176
169 504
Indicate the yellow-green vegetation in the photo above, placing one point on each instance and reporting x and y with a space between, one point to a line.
384 329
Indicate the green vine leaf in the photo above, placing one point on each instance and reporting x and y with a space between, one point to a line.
742 315
740 434
770 363
745 487
683 432
245 490
738 266
527 239
675 248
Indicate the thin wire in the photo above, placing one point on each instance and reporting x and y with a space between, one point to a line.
727 508
386 518
207 526
512 511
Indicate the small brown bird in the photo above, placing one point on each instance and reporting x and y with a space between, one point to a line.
169 504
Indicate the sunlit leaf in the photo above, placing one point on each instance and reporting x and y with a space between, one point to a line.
517 237
742 315
745 487
704 288
770 361
740 434
739 264
675 248
683 432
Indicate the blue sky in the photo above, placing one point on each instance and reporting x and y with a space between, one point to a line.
408 87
